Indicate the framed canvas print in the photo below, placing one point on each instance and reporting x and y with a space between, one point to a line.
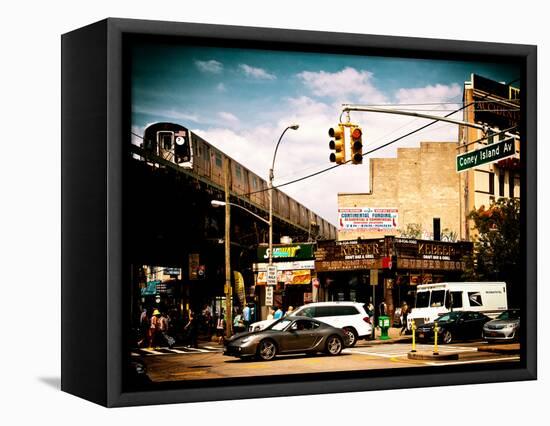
252 212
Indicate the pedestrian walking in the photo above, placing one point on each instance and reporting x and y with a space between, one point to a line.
289 310
191 331
270 313
143 327
154 328
164 324
246 316
278 313
220 328
238 323
383 308
404 315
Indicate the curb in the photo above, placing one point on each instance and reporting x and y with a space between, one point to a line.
496 349
431 356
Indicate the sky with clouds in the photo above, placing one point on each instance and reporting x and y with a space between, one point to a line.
240 100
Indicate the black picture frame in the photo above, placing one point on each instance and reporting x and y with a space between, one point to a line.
94 130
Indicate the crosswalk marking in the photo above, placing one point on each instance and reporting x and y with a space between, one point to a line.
391 351
180 350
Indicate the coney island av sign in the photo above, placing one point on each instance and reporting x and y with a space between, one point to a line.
488 154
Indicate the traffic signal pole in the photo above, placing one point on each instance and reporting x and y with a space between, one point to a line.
347 108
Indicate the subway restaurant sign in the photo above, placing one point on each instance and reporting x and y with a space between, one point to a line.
488 154
287 252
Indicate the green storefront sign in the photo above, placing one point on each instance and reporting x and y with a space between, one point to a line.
150 289
287 252
490 153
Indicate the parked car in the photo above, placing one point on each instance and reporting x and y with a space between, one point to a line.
291 334
349 316
453 326
504 328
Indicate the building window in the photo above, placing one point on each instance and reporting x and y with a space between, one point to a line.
238 172
218 160
491 183
501 183
511 182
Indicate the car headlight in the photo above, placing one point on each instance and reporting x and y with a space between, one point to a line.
510 326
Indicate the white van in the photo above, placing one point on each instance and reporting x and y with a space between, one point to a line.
434 300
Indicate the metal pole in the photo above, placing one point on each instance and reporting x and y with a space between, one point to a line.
348 108
270 186
228 290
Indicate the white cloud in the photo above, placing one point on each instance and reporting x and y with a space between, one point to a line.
221 87
348 85
428 94
257 73
166 114
228 117
305 151
212 66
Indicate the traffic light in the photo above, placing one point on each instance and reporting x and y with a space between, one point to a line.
356 145
338 144
182 153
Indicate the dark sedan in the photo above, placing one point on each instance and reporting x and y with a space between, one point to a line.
453 326
291 334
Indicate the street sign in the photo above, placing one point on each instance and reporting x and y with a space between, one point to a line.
269 296
488 154
374 277
271 275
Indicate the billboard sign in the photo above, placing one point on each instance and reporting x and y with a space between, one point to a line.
381 219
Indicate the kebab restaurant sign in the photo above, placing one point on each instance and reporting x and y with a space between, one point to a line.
371 218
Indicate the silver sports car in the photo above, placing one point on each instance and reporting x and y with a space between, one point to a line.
290 334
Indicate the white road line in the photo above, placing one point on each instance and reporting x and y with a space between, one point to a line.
135 354
212 348
179 352
510 358
153 352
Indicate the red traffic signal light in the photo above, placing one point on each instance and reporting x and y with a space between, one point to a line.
356 145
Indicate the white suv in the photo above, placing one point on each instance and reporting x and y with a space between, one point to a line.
349 316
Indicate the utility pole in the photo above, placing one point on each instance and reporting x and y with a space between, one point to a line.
228 289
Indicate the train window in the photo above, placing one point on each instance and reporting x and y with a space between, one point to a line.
166 139
218 160
238 172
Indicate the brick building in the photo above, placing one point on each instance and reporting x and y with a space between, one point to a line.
416 187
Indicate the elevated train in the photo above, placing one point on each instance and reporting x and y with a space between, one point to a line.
177 144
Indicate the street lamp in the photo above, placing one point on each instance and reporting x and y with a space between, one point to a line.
270 187
228 291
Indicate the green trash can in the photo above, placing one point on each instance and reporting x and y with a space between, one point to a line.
384 324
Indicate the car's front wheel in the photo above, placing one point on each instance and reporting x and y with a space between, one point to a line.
267 350
351 336
334 345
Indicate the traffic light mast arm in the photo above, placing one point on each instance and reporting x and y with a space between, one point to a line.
348 108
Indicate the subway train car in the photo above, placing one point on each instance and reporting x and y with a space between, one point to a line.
177 144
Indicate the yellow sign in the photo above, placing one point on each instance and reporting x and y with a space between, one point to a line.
239 287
